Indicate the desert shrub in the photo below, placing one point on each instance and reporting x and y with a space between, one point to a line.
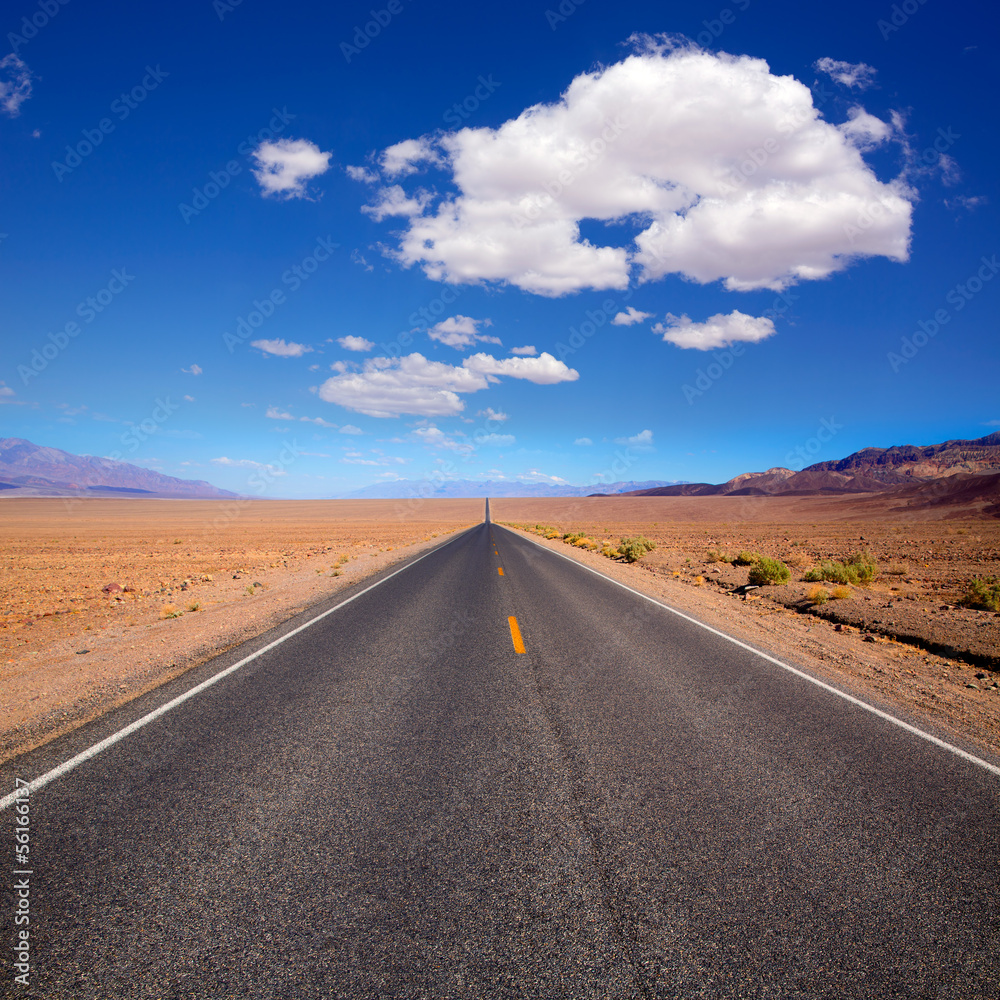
840 593
633 549
699 580
717 556
583 542
768 571
897 569
982 593
861 568
194 606
746 558
818 595
170 611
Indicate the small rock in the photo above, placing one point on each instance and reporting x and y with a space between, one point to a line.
111 588
868 638
80 652
838 627
980 676
975 687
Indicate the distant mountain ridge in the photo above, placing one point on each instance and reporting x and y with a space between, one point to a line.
28 469
870 470
440 489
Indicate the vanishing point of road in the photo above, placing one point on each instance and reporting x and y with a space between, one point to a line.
494 773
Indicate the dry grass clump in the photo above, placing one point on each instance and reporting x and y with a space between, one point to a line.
818 595
170 611
840 593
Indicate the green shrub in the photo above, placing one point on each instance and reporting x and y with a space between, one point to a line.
633 549
860 568
983 594
717 556
768 571
746 558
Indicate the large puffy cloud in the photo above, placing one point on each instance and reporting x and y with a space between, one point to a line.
390 387
724 171
285 165
716 331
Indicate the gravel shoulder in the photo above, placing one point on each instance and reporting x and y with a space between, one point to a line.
940 693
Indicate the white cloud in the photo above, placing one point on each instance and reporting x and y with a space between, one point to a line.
543 370
285 165
461 331
280 348
395 201
15 84
318 421
859 75
490 414
583 441
193 370
497 440
643 441
189 399
404 157
362 174
630 317
6 390
246 463
719 169
528 349
390 387
716 331
863 130
969 204
351 429
273 413
351 343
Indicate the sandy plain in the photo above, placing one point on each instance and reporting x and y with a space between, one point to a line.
198 577
195 578
901 642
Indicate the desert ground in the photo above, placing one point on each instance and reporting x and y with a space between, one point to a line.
102 600
902 640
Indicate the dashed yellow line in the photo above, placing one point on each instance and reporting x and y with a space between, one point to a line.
515 634
500 570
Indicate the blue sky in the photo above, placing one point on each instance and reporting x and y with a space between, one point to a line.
346 246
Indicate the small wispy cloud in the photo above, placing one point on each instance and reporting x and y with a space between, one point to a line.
352 343
286 165
193 370
281 349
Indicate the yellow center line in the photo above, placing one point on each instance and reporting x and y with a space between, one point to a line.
500 570
515 634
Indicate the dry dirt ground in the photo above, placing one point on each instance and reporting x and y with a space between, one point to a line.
196 577
900 641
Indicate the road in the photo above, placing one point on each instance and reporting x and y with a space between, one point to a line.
395 802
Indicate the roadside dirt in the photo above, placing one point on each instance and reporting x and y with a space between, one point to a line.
900 643
70 651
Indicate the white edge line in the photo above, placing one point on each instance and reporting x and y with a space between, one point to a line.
958 751
90 752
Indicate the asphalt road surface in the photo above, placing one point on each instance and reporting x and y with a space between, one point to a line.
397 802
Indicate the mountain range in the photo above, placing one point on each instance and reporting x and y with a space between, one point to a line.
871 470
28 469
929 474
